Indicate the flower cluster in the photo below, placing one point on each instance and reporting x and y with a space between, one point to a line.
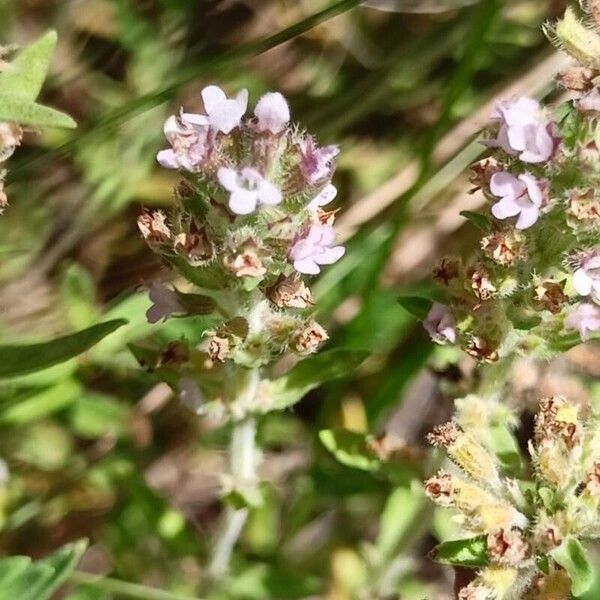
528 526
248 226
533 287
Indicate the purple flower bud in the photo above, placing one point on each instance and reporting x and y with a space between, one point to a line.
188 135
585 318
272 112
224 114
440 324
522 195
524 130
586 279
247 188
314 249
316 162
164 303
325 196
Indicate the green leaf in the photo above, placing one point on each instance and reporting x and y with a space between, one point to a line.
480 221
417 306
506 448
17 360
312 372
350 448
471 552
27 72
572 556
398 517
26 580
19 109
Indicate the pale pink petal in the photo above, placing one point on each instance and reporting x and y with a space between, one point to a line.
504 184
228 178
505 208
212 96
194 119
307 266
167 159
242 202
268 193
172 128
331 255
582 282
325 196
272 112
527 217
241 99
534 190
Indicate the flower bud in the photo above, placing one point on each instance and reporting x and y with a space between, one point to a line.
508 547
549 295
308 339
480 283
195 247
577 79
218 348
584 207
504 247
481 349
290 292
154 228
246 260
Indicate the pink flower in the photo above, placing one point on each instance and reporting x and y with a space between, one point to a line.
522 195
585 318
315 163
247 189
586 279
189 138
440 324
314 249
272 112
589 102
325 196
164 303
224 114
523 130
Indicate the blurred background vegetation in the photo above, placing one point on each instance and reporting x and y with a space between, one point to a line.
95 447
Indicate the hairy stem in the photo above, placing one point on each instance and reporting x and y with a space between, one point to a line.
243 459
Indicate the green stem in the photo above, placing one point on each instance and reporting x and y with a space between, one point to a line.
123 588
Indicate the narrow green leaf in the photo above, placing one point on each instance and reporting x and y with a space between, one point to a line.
18 360
480 221
312 372
572 556
27 72
350 448
19 109
416 305
471 552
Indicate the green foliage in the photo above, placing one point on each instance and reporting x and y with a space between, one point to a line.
350 448
572 556
26 580
18 360
470 552
20 85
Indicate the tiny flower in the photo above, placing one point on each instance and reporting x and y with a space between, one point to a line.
247 188
10 137
325 196
578 79
440 324
503 247
315 248
224 114
273 113
481 284
195 247
440 488
589 102
508 547
290 292
584 318
164 303
550 295
246 262
154 228
584 205
523 130
218 348
189 138
520 195
586 279
310 337
481 349
315 163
